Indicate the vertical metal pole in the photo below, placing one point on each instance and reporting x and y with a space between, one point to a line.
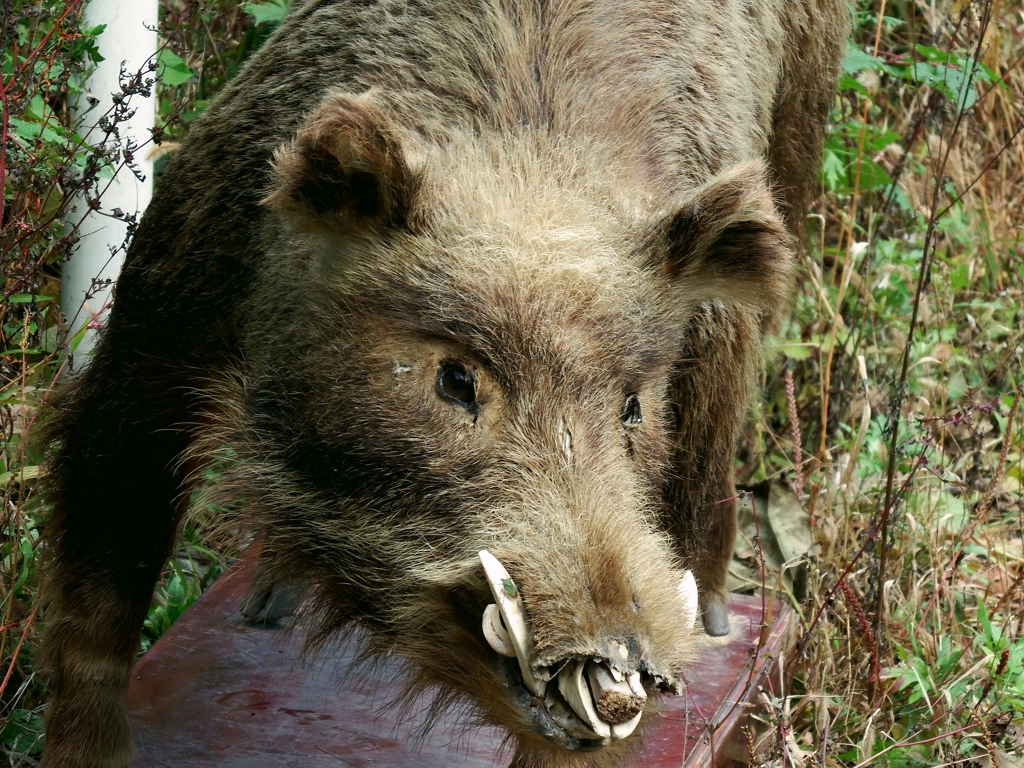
129 38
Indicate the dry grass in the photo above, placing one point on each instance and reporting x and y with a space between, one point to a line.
905 420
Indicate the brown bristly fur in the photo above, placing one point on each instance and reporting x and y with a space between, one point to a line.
574 201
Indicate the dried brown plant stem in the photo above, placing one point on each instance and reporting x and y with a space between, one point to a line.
862 621
897 405
986 501
986 739
17 651
1010 592
794 425
846 236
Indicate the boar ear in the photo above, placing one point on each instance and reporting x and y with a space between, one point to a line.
726 240
344 170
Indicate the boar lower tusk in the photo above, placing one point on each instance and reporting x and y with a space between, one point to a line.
495 633
689 598
510 606
574 689
616 701
622 730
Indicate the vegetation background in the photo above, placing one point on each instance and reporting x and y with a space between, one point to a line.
885 458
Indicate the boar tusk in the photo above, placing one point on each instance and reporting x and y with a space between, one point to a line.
495 633
574 689
622 730
616 701
690 600
510 606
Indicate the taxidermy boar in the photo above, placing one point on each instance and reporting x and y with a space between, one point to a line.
474 291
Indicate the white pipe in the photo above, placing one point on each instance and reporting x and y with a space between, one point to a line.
129 38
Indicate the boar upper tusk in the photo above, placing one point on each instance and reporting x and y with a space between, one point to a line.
510 606
573 687
689 598
495 632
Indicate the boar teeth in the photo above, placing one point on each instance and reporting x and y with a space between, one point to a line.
563 714
573 687
616 701
611 708
510 607
591 699
688 596
622 730
495 633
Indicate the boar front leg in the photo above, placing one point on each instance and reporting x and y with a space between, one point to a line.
710 393
113 494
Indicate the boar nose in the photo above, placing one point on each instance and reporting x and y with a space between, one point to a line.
588 697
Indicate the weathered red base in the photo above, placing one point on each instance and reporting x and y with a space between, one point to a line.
216 693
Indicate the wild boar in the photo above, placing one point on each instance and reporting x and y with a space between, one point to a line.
475 292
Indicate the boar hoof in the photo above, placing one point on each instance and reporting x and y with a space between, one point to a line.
716 618
269 601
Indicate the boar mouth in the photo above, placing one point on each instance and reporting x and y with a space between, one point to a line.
587 701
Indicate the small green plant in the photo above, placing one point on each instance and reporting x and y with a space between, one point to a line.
193 568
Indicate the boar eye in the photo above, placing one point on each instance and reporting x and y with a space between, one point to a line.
631 415
455 383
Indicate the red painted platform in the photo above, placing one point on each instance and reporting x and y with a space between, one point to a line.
217 693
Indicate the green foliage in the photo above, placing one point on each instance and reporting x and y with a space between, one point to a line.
206 46
23 733
172 69
187 576
271 12
857 137
918 165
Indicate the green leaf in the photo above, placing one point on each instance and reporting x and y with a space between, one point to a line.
834 171
850 83
876 142
28 298
872 175
509 586
958 277
29 132
171 68
23 732
857 60
797 350
272 12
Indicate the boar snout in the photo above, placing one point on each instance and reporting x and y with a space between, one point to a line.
597 698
